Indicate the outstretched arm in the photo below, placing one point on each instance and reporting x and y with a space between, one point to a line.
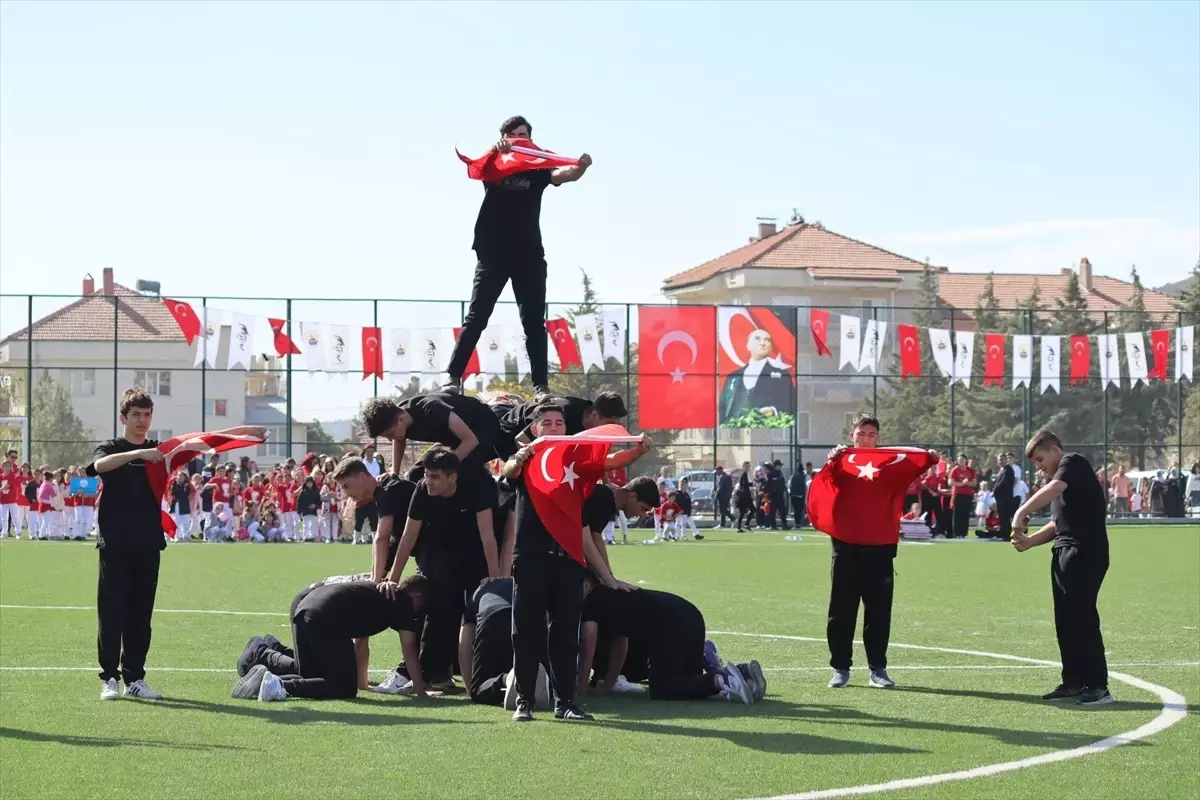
569 174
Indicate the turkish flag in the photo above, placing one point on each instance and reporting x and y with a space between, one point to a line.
564 344
910 350
560 476
993 367
818 323
1159 342
182 449
185 317
493 166
676 356
284 346
1081 359
372 355
858 497
472 362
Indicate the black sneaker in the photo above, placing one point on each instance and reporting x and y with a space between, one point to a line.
524 712
572 712
1063 692
541 393
453 386
1091 698
249 655
272 643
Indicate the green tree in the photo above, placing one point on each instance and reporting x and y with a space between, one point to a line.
58 438
1142 417
316 440
1187 395
1072 413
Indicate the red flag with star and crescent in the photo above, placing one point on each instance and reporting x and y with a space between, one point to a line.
493 166
182 449
472 367
185 316
1081 359
858 496
372 354
993 370
818 323
564 344
1160 341
284 346
560 476
910 351
676 359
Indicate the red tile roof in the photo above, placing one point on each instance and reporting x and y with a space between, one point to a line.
962 291
802 246
90 319
830 273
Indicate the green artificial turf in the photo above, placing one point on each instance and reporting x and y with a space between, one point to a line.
58 740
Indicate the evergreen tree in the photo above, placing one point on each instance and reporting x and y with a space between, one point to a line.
1140 418
58 437
1186 394
993 417
316 440
1072 414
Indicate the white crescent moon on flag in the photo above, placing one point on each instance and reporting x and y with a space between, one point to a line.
994 350
899 457
677 336
725 316
909 343
180 308
560 334
545 473
535 161
850 458
372 341
1079 347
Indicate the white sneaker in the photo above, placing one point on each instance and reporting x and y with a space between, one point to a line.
141 690
510 690
736 686
110 690
840 678
271 689
622 686
395 684
880 679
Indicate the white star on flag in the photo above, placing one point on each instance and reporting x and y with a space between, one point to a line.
677 375
868 471
507 157
569 475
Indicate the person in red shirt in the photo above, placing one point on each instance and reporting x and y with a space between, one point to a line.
10 486
668 512
962 481
24 477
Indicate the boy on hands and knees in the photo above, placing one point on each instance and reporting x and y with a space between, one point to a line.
1079 561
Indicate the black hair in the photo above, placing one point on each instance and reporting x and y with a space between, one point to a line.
609 405
545 408
512 123
863 418
135 398
645 490
441 458
1041 440
379 414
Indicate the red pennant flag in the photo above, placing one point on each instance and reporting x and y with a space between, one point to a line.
372 355
910 350
560 476
676 356
185 317
564 344
182 449
493 166
284 346
858 497
472 362
1159 342
818 323
993 369
1081 359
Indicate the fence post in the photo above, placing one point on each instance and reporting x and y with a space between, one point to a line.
1028 386
204 363
874 373
378 346
953 383
116 360
288 372
628 353
1104 391
1179 403
29 384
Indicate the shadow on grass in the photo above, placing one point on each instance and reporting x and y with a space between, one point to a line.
99 741
288 713
778 743
1018 697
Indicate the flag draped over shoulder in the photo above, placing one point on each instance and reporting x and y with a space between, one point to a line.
182 449
524 156
560 476
858 496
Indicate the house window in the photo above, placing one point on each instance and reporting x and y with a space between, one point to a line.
215 408
82 382
161 435
276 446
156 383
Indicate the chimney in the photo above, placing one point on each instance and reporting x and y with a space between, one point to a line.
108 280
1085 273
89 284
766 228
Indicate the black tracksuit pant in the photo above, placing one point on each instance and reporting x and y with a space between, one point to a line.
491 658
677 662
723 509
528 276
963 505
546 585
931 507
321 664
1005 508
1075 579
125 594
799 511
860 573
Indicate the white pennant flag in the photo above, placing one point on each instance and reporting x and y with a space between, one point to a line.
433 355
397 343
1051 363
518 350
613 325
1135 356
312 344
964 356
241 340
1022 361
943 352
209 340
851 346
1110 360
588 329
491 349
1184 347
337 348
873 340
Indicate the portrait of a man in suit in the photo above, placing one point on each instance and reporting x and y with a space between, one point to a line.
764 383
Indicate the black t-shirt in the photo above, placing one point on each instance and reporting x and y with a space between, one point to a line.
181 498
431 421
520 416
358 609
685 502
392 497
600 508
493 597
509 221
129 516
449 539
309 502
1079 512
643 614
